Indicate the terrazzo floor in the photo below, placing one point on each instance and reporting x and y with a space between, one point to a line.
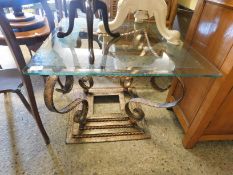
23 151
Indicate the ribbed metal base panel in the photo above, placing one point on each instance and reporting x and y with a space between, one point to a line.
105 130
105 127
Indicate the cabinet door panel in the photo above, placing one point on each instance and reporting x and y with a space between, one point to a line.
195 93
213 39
214 34
222 123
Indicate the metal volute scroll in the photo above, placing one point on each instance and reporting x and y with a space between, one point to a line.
155 85
126 82
69 82
80 116
48 96
138 114
83 82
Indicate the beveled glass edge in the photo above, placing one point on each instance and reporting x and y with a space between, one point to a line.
116 74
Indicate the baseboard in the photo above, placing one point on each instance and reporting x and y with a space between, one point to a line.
216 137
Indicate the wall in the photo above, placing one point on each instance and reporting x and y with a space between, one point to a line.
189 3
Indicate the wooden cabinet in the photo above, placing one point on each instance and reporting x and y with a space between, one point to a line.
206 113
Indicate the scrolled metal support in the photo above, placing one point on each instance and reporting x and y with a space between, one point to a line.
137 114
69 82
83 83
48 96
80 116
126 82
155 85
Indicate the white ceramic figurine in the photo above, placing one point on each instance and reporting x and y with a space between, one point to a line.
156 8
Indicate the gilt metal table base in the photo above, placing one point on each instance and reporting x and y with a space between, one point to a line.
106 127
85 126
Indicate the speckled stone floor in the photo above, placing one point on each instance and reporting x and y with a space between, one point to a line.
22 149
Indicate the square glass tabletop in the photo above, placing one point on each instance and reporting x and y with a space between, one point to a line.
139 51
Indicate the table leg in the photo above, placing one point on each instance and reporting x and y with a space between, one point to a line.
86 126
136 114
49 92
103 127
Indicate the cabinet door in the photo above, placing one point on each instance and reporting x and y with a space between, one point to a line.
212 38
222 123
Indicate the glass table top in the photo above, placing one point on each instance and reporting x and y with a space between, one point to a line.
140 51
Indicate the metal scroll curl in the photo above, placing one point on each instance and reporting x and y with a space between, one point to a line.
126 82
137 114
155 85
69 82
80 116
83 83
49 91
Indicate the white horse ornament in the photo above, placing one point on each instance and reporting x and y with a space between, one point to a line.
156 8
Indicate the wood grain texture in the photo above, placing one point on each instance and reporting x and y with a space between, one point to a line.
207 102
216 137
224 3
36 35
223 119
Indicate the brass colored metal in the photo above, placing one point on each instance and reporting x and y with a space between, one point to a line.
156 104
109 134
96 130
156 86
49 91
105 127
136 115
68 85
85 126
84 80
126 82
107 119
81 115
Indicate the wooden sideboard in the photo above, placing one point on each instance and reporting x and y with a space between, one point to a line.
206 112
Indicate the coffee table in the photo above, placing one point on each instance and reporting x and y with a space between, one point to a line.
139 52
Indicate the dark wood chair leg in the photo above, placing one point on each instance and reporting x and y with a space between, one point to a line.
34 109
30 51
23 99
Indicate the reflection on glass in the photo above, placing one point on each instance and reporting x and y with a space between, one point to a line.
140 51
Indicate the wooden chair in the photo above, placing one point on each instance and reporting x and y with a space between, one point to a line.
33 37
11 79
